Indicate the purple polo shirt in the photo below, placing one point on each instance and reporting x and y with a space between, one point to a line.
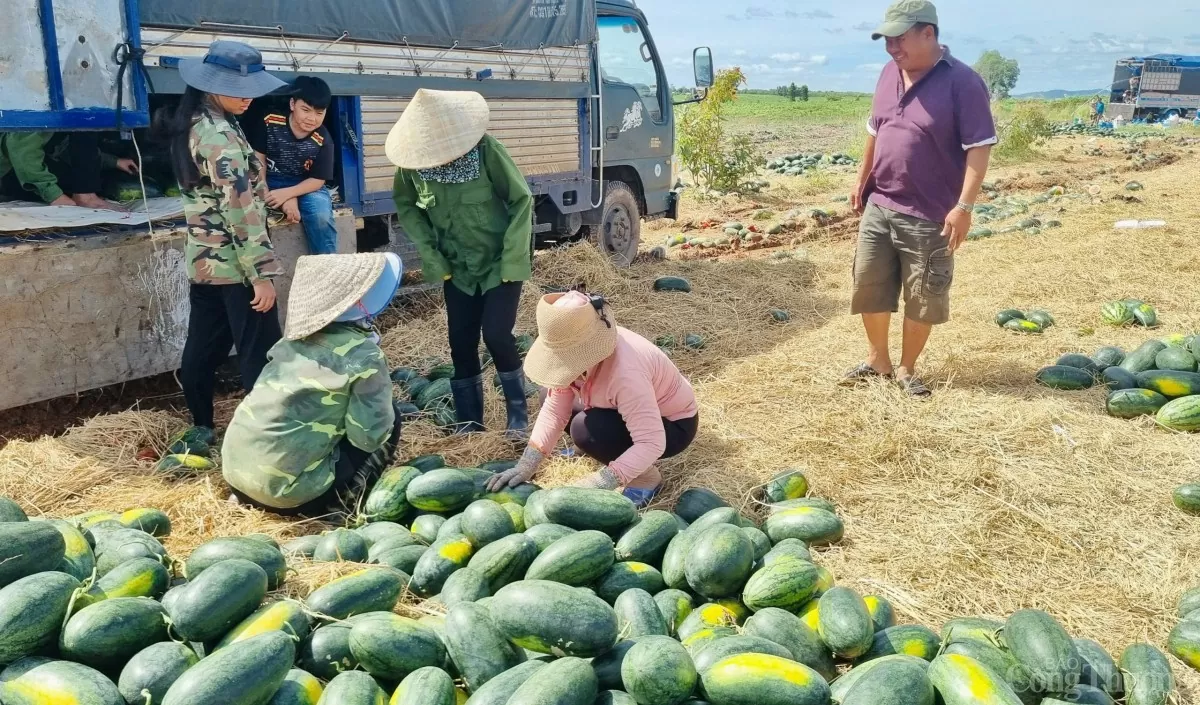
922 137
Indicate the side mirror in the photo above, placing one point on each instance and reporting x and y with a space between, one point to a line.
702 64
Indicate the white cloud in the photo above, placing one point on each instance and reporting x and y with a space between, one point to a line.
818 59
798 69
760 68
736 52
787 57
872 68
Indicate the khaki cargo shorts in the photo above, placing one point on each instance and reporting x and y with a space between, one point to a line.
901 253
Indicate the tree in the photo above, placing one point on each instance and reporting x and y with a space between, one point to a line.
793 92
1000 74
716 160
803 93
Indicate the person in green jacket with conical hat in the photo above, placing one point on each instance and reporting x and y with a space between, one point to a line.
468 209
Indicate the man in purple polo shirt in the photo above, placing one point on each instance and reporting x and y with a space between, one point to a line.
930 137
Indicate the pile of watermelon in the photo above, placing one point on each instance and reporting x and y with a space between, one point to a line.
1159 379
1128 312
530 596
797 164
1184 640
1035 321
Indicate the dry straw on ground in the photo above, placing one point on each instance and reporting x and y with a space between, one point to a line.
993 496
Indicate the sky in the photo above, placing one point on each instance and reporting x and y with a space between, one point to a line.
827 45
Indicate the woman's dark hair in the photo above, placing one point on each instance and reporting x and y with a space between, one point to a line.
172 127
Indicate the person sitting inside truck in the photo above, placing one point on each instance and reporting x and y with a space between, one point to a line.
229 257
468 209
626 404
299 155
57 168
320 424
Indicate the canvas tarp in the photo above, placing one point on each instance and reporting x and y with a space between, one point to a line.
513 24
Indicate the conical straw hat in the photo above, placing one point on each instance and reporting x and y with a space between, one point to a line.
572 339
436 128
325 286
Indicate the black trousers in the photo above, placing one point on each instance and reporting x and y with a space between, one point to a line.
491 314
73 158
603 435
221 317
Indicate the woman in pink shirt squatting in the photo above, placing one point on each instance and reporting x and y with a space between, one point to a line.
622 399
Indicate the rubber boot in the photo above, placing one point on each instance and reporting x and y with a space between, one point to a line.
516 404
644 488
468 403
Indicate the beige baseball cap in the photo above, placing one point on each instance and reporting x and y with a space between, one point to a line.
903 15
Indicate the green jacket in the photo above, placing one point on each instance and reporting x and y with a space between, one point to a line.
25 154
227 241
476 234
281 446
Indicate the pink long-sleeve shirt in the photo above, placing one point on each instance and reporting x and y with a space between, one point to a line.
642 384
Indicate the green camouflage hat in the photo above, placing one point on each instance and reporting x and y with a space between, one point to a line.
902 15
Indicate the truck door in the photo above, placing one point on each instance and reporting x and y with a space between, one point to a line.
637 118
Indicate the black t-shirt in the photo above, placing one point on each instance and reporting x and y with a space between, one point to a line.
309 157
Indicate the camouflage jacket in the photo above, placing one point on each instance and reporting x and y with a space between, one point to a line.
281 447
227 240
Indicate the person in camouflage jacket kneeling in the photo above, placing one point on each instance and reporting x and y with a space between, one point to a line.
319 426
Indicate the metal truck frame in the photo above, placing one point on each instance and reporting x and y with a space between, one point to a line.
1153 87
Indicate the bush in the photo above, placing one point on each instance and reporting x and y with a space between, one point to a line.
715 160
1024 129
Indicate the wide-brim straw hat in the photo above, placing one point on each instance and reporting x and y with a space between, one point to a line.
327 286
231 69
436 128
571 340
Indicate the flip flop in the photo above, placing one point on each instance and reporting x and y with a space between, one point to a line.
862 374
914 387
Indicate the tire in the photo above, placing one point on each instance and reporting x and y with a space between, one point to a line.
620 230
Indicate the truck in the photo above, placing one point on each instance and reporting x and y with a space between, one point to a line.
1151 88
578 94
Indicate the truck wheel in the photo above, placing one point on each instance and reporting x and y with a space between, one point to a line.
620 230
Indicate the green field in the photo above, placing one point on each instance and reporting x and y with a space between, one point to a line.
820 108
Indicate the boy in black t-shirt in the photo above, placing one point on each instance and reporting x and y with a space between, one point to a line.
298 153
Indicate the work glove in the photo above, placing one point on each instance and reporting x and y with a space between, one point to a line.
523 472
602 479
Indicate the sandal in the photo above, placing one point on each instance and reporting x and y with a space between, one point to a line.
914 387
862 374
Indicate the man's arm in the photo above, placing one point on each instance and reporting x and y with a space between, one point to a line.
864 173
27 151
977 128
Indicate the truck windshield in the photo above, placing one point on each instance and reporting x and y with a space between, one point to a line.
625 57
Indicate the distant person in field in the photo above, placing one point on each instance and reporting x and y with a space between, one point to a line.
623 401
468 209
299 155
930 137
320 424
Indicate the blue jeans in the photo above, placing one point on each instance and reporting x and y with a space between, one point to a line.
316 215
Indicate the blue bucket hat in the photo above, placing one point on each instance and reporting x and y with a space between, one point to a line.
229 68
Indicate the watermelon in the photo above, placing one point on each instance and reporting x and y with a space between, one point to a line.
647 540
1020 325
787 584
789 484
436 564
974 628
477 648
1132 403
658 671
389 646
152 671
1117 379
341 545
1042 318
719 561
505 560
585 508
673 568
140 577
500 689
428 395
906 640
1146 316
79 560
1108 356
565 681
28 547
1008 315
184 462
32 611
813 526
787 548
697 501
759 679
626 576
1080 695
1144 357
388 499
790 632
844 623
302 546
121 545
615 697
713 517
1043 648
516 514
464 585
444 490
485 521
1147 675
694 341
152 521
425 686
1116 313
760 541
440 371
390 541
706 616
678 284
552 618
287 616
1063 377
546 534
899 682
221 597
883 615
1099 669
638 615
42 681
1001 662
403 559
1184 643
534 514
105 635
298 688
326 651
367 590
269 558
578 558
353 688
961 680
842 685
1181 414
451 530
1082 362
1189 602
1170 384
11 511
1187 498
1177 359
703 638
675 606
607 666
723 648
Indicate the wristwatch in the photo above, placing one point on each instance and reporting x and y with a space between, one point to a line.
966 207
